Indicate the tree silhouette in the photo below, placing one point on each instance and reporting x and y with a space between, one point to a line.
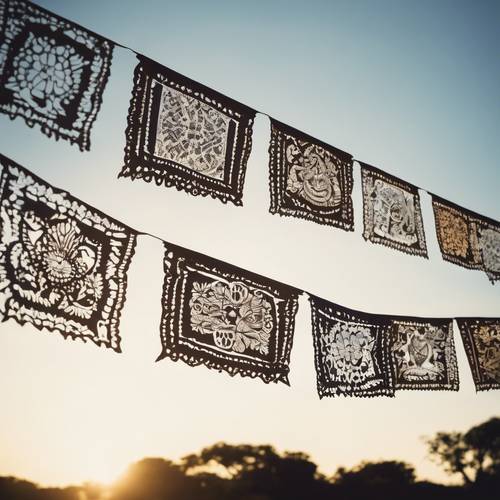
377 473
11 487
259 472
475 454
389 479
231 460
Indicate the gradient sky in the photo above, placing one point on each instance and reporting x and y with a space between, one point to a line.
411 87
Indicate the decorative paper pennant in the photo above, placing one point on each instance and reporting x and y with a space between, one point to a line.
351 351
63 264
226 318
186 135
481 337
423 354
52 72
392 214
467 239
309 179
456 234
489 245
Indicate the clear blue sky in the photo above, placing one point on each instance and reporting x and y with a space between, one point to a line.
411 87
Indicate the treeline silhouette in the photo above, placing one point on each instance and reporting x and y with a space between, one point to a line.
258 472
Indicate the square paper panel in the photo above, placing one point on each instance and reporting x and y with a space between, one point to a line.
351 351
456 233
392 214
481 337
423 354
63 264
226 318
489 244
309 179
52 73
183 134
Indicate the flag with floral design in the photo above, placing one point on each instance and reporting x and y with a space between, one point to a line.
52 72
63 264
351 351
225 317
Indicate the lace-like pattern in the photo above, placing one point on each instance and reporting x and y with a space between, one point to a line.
63 264
489 245
185 135
423 354
481 337
226 318
351 352
52 73
466 238
309 179
392 215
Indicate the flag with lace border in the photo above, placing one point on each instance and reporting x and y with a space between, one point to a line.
391 212
183 134
63 264
481 338
350 351
423 353
226 318
52 72
309 179
466 238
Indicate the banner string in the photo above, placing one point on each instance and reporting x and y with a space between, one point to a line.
126 47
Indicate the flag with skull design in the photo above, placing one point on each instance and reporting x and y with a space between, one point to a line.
63 264
226 318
